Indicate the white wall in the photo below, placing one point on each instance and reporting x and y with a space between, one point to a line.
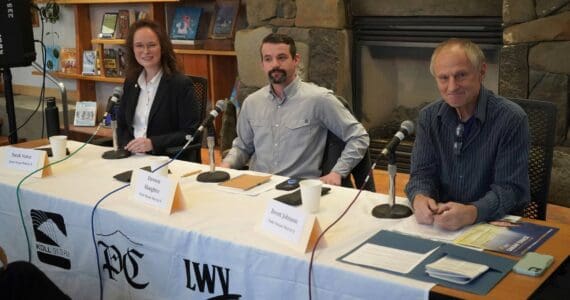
65 27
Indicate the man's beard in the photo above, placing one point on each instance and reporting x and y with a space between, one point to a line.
279 79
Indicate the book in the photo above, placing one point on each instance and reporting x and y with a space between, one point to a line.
122 24
455 270
185 24
246 181
68 60
85 113
513 238
89 62
121 61
110 62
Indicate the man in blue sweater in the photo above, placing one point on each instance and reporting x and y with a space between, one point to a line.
470 157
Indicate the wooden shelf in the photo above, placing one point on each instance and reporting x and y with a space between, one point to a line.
176 50
103 1
84 77
205 52
109 41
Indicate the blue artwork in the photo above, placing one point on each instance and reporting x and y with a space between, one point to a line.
185 23
52 58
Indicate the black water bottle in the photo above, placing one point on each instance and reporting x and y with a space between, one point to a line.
52 117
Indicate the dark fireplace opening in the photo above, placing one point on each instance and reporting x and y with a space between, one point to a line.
391 79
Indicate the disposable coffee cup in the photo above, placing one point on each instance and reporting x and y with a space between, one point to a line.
157 163
58 145
311 194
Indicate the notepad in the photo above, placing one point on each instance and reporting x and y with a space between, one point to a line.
455 270
246 181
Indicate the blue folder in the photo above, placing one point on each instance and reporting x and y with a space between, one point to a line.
498 266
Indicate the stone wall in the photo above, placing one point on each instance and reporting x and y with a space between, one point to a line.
535 59
319 30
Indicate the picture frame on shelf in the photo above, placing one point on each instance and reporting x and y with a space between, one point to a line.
89 62
68 60
85 113
185 25
223 23
123 23
108 25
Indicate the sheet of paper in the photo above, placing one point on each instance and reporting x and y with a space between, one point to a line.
386 258
412 227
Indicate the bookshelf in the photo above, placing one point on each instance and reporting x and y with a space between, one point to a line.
218 66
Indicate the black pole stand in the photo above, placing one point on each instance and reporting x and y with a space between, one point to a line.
116 153
392 210
212 175
10 110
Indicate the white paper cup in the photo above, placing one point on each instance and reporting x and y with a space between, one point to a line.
156 163
311 194
58 145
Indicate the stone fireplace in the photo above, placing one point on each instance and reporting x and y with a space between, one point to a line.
376 53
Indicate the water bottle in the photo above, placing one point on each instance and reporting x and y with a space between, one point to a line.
52 117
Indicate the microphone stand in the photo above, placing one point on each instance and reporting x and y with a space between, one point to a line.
212 175
116 153
392 210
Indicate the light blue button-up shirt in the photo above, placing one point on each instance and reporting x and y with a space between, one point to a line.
288 136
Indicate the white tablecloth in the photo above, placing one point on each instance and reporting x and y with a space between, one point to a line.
211 248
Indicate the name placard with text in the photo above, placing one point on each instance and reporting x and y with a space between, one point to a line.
26 160
155 190
290 225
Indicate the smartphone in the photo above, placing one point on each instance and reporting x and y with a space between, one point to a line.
288 185
533 264
294 198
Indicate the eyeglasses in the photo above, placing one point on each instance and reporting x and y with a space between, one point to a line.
142 47
458 139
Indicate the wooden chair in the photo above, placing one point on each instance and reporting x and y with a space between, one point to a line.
542 126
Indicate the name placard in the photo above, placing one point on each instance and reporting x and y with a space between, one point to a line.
290 225
26 160
157 191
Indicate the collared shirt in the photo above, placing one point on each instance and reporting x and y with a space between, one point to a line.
490 170
288 136
146 98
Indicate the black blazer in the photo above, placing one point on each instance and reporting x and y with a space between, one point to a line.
174 114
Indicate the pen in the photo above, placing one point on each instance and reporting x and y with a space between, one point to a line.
191 173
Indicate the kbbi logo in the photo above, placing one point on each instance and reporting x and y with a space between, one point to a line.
51 238
204 276
121 260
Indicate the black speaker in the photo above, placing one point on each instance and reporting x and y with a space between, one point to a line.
16 35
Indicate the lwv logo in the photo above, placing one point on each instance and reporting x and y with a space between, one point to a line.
206 278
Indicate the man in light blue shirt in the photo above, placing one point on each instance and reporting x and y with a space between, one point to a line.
282 127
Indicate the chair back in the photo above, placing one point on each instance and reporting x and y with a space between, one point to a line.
193 152
333 150
542 124
201 93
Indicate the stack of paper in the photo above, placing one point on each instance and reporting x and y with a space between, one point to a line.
454 270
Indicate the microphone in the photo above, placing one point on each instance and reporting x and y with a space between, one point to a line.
114 100
213 175
116 153
220 107
406 128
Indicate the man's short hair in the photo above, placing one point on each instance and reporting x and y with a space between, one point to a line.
276 38
473 52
